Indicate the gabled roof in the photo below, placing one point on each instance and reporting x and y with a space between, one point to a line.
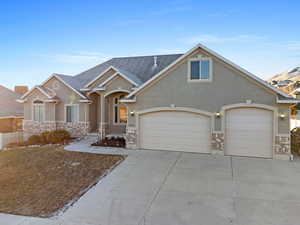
126 75
182 57
45 91
138 68
8 103
143 70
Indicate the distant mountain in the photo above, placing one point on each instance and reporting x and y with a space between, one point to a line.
293 75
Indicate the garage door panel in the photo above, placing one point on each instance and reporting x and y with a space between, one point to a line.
173 130
249 132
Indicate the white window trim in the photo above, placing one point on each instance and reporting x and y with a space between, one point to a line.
199 58
65 113
32 110
114 111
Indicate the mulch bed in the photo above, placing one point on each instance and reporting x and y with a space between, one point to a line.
41 181
117 142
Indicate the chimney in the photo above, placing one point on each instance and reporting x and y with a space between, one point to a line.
21 89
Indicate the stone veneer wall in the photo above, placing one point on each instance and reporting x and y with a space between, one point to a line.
131 137
282 144
217 141
77 129
103 127
35 127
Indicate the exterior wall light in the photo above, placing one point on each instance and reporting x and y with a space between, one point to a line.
282 116
218 114
132 113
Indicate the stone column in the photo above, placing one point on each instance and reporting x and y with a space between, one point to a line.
217 144
102 125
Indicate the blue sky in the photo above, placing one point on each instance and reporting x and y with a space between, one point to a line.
38 38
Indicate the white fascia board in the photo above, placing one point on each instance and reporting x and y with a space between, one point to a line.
118 73
85 101
32 89
128 100
85 89
69 86
21 101
44 92
98 89
96 78
293 101
51 100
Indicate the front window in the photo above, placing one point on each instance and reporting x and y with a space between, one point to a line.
72 112
38 111
200 69
120 111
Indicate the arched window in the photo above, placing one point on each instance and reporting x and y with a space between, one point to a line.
120 111
38 113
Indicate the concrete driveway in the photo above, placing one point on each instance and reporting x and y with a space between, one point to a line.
172 188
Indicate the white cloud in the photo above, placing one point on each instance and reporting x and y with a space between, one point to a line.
208 38
79 57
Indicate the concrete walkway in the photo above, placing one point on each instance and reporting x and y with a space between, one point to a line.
162 188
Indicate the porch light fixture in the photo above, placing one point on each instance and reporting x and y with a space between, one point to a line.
132 113
282 116
218 114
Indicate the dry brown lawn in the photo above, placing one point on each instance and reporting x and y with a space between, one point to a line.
41 181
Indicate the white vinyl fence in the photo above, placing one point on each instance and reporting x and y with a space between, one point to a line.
7 138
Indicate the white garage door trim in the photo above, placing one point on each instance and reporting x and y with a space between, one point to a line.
173 109
258 106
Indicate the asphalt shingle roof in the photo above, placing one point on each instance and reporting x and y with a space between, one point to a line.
138 68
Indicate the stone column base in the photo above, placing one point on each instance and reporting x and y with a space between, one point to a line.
282 145
131 137
217 143
102 130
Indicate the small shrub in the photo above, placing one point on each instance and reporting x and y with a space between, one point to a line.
45 137
34 140
295 141
59 136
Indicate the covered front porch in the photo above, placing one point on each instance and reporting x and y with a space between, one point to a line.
107 115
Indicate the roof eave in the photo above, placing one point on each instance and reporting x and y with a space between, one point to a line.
127 100
21 101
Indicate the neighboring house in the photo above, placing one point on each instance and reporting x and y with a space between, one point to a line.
194 102
289 82
11 112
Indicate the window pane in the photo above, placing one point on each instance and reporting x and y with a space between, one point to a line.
205 69
41 113
75 113
38 112
195 70
69 114
35 113
72 113
116 114
123 114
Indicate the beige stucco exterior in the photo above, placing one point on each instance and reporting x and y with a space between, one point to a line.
229 86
